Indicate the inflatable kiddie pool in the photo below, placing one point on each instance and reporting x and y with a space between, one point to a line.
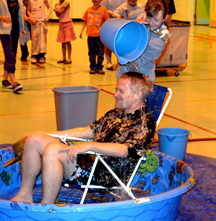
162 179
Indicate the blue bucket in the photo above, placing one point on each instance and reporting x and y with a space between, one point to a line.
127 39
173 141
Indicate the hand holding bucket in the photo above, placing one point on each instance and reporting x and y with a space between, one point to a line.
126 38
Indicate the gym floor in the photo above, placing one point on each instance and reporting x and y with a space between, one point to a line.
192 106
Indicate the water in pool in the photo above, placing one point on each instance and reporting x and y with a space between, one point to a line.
74 195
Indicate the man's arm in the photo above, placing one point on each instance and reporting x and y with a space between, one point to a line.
107 149
80 132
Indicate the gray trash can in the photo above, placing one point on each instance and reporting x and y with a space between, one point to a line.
75 106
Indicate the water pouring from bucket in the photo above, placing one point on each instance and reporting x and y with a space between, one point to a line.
173 141
126 38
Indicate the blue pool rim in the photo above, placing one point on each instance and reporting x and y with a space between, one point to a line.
104 207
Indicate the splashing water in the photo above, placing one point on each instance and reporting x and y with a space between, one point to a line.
132 66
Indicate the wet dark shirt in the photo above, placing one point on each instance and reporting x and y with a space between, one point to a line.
130 129
136 130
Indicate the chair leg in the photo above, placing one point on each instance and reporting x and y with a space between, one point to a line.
89 180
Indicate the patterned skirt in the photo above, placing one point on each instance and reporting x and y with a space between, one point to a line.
66 32
39 37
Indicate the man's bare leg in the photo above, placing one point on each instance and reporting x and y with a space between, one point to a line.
54 169
31 164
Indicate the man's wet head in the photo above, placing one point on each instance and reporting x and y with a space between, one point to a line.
131 91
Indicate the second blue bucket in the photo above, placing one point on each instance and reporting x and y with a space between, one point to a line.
126 38
173 141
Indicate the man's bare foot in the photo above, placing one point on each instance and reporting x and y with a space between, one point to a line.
24 199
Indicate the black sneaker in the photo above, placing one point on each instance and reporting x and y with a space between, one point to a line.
17 87
100 71
92 71
7 84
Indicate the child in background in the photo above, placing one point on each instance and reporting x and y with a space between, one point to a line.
25 37
66 32
36 10
11 24
110 5
124 9
93 18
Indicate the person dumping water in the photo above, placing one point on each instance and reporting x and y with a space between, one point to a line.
154 16
122 135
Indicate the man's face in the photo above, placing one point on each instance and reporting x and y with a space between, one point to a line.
132 3
125 98
155 22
